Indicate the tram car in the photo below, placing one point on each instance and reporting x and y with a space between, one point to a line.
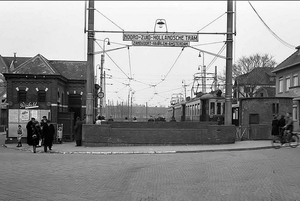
208 107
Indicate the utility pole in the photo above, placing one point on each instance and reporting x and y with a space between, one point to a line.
216 78
90 81
228 92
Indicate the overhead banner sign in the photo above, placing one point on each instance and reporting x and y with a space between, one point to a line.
173 37
161 43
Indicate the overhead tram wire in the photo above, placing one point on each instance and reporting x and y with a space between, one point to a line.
171 67
113 61
272 32
212 43
215 58
109 19
212 22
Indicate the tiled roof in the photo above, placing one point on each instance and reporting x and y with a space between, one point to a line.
259 74
19 60
36 65
73 70
291 61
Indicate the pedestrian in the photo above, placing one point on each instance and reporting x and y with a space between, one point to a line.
275 128
78 131
48 134
126 119
29 130
98 122
281 124
43 125
20 134
134 119
36 135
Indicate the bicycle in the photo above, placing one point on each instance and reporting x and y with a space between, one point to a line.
285 138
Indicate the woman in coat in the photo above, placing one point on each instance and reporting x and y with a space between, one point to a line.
36 135
78 131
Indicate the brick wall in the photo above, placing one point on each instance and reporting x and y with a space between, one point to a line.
131 134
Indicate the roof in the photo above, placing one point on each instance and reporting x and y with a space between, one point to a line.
259 75
291 61
37 65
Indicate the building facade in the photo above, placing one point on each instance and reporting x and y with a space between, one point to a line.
287 83
36 87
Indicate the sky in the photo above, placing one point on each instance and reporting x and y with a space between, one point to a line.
55 29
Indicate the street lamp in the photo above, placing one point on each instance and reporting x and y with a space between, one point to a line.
101 93
204 74
161 23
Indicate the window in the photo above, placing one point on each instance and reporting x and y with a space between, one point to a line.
41 96
22 96
295 113
295 80
288 83
280 83
212 108
275 108
253 119
218 108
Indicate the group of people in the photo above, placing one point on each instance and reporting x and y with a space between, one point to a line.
285 123
40 133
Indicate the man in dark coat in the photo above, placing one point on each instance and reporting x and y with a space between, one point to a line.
78 131
48 135
29 131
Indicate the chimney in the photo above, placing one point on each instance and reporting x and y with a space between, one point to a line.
15 57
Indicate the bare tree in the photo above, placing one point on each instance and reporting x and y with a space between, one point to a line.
247 64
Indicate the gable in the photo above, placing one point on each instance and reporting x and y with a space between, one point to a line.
3 66
36 65
291 61
258 76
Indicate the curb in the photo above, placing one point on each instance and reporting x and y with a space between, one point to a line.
138 152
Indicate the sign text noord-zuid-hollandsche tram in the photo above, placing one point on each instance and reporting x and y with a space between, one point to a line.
160 39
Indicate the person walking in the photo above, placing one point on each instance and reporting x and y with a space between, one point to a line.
29 131
48 135
36 135
20 134
78 131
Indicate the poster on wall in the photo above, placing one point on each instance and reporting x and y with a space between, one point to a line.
34 114
24 115
13 116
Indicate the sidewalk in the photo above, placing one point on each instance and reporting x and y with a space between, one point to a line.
70 148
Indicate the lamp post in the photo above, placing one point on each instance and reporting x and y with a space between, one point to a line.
101 75
204 74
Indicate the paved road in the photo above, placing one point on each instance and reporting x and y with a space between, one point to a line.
267 174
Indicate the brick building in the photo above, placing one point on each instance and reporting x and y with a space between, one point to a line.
39 87
287 83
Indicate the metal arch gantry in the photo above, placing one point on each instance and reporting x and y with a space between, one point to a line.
90 60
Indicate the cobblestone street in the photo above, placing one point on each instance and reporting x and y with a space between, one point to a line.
267 174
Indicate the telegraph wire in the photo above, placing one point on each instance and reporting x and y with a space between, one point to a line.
215 58
272 32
